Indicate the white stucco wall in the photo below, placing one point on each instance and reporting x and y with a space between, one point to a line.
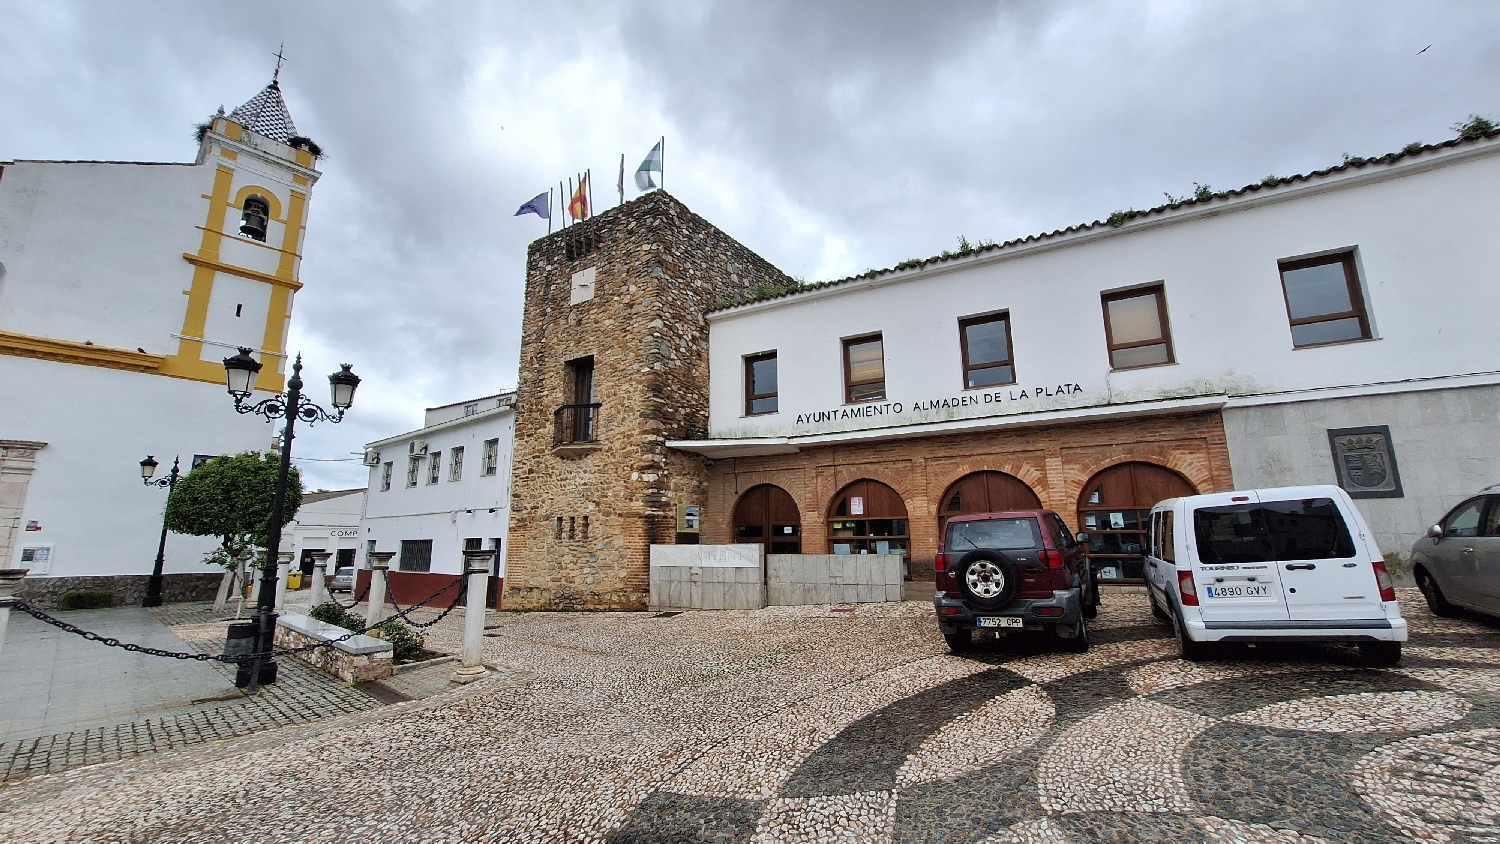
86 492
1425 245
448 512
1444 442
329 525
81 240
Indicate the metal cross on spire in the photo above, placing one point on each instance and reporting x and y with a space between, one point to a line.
280 50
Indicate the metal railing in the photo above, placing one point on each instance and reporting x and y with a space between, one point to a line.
575 423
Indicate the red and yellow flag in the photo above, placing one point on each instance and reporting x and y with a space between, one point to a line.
578 206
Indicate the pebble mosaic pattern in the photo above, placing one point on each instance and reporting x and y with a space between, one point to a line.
800 724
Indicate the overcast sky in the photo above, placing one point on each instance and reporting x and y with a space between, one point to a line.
828 137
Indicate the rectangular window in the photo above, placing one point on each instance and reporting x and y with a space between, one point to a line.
1135 327
1323 300
760 384
471 409
416 555
434 466
413 466
456 464
864 369
385 477
986 348
575 422
491 457
472 544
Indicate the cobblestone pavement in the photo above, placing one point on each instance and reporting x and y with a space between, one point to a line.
800 723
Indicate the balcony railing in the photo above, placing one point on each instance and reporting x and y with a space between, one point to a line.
575 423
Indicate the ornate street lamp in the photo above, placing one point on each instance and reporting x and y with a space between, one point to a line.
240 372
153 585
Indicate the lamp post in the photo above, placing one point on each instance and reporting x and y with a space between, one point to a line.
240 372
153 585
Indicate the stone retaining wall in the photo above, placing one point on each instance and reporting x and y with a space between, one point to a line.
354 660
129 589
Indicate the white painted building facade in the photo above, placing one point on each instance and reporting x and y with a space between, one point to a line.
1248 285
123 286
445 487
326 521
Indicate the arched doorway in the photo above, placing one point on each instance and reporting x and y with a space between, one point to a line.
985 492
1115 510
868 517
767 515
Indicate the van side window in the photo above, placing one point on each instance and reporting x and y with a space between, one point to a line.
1168 553
1311 529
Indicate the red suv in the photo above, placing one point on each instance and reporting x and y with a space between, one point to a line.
1016 570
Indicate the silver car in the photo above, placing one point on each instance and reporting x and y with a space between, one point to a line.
342 580
1457 565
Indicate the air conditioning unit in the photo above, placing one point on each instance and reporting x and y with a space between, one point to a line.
417 447
372 458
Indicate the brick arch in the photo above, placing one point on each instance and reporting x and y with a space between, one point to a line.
1194 468
1025 472
908 485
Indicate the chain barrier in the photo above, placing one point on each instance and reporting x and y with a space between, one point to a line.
112 642
328 597
463 588
237 659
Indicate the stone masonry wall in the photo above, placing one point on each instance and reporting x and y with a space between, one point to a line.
1055 461
129 589
583 517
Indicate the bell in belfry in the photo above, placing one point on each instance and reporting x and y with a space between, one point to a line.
253 221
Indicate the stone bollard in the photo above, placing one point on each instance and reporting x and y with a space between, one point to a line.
320 568
10 581
283 566
471 661
380 563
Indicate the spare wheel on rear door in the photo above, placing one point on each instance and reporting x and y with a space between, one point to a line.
987 578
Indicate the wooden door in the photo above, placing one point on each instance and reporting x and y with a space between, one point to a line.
767 515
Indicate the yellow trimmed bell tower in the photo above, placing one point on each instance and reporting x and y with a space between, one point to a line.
244 272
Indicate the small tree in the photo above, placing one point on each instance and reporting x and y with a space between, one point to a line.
231 497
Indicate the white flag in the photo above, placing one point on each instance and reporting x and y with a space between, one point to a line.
643 178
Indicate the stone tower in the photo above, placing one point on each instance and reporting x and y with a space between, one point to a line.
614 362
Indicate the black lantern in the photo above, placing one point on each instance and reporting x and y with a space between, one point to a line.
240 372
342 385
148 467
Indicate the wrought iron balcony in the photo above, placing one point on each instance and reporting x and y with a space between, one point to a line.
575 423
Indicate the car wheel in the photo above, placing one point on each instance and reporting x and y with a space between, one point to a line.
961 641
1434 595
1156 611
1089 596
986 578
1187 648
1077 643
1383 654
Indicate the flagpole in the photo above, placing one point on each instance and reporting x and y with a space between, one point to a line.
663 162
570 199
564 224
550 206
621 183
588 179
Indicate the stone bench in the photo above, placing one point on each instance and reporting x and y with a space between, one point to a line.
354 660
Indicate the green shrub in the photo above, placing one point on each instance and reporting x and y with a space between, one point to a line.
86 599
406 645
331 613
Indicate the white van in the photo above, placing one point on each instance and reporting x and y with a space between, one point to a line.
1293 564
